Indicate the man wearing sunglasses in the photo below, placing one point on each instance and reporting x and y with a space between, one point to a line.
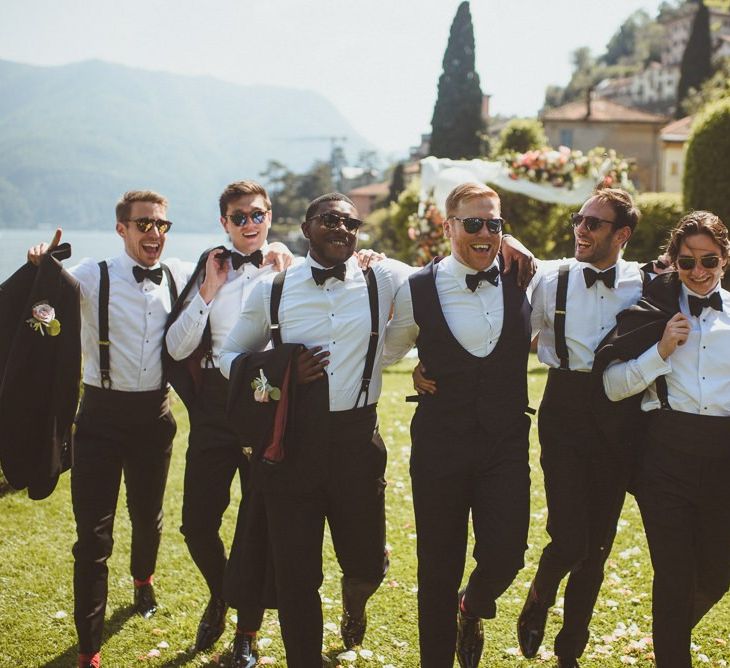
471 322
123 424
208 308
331 306
575 304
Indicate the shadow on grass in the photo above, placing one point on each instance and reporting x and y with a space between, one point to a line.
5 488
538 371
111 626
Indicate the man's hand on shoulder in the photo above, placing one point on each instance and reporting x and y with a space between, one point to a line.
279 256
36 253
367 256
515 252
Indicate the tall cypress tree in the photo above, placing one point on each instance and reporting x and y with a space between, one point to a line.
457 124
697 58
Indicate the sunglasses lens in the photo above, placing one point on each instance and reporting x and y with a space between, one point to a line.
258 217
163 226
710 262
494 225
352 224
238 219
473 225
686 263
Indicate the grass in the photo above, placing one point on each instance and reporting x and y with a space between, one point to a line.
36 597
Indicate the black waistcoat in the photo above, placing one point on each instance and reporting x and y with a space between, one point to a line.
475 395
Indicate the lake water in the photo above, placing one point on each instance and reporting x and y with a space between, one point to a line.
99 245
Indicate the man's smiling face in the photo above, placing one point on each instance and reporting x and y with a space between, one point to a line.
476 250
250 236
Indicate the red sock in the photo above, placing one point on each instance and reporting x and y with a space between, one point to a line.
142 583
89 660
242 632
462 606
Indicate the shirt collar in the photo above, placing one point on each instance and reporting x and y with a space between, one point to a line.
350 265
459 271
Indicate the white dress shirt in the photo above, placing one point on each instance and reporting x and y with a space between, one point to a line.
137 316
335 316
697 373
474 318
185 333
590 312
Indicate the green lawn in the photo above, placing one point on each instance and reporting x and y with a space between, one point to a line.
36 600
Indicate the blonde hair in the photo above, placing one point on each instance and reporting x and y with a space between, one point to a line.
466 192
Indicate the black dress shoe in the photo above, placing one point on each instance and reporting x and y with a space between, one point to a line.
567 662
531 624
144 601
354 620
469 638
245 651
212 624
352 629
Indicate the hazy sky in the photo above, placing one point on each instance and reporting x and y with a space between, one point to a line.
378 61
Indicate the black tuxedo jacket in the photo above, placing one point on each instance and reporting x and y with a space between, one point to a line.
40 375
185 375
637 329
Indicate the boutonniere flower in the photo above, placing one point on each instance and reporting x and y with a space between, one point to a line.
44 319
262 391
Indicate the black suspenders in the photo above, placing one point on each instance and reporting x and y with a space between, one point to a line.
104 364
106 381
278 287
561 300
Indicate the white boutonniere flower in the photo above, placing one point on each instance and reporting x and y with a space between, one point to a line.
262 391
44 319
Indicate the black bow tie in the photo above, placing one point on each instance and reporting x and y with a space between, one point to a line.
608 277
696 304
321 275
237 260
140 273
491 275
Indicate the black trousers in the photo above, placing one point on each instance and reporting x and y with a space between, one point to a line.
213 459
117 432
494 484
684 498
585 486
351 497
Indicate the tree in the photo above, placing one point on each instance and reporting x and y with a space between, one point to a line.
457 124
717 87
697 58
397 183
707 171
521 134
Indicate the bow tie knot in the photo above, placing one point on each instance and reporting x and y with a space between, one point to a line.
608 277
490 275
154 275
237 260
697 304
321 275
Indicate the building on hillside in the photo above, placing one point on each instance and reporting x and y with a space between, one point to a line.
366 197
655 87
679 26
598 122
672 146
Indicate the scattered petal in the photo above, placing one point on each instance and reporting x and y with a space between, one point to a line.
349 655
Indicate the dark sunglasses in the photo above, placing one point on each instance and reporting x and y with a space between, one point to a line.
146 224
707 261
333 220
591 222
239 218
473 225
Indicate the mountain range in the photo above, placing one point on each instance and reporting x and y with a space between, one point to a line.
73 138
